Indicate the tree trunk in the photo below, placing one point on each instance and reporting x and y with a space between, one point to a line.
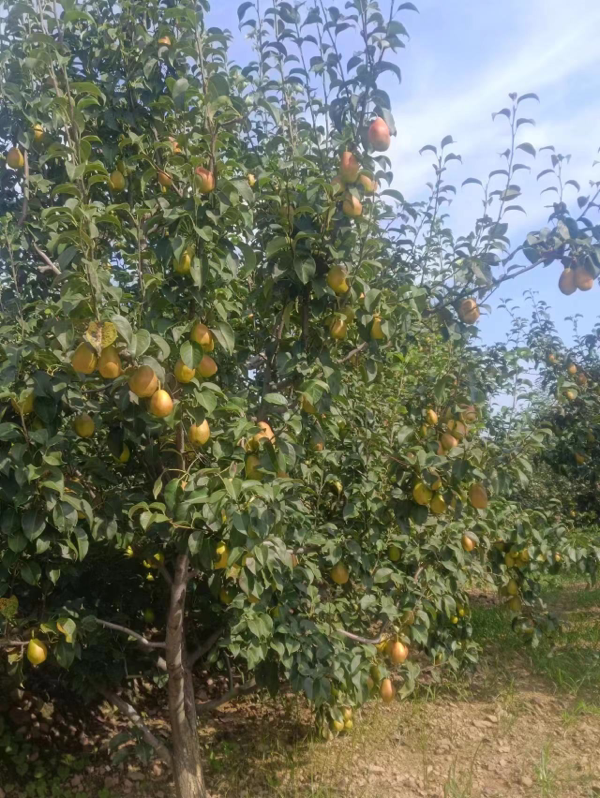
187 766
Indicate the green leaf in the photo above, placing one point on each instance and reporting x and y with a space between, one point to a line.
276 399
305 267
33 523
276 244
225 336
178 92
124 327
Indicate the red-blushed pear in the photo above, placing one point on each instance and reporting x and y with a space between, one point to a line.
202 335
386 691
583 279
478 496
369 185
567 283
448 441
143 382
205 180
207 367
164 179
349 167
379 135
396 651
468 311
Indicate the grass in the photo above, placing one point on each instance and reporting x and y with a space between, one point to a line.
569 659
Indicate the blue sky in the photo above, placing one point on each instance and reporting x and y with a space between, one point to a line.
462 60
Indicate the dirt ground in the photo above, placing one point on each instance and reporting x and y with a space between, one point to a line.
527 723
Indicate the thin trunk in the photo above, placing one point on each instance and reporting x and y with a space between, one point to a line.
187 767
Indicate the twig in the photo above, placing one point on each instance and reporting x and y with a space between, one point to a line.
25 207
128 710
242 689
140 638
357 350
375 641
13 643
50 266
203 649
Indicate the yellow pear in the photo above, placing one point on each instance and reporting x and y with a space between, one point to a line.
84 359
337 279
221 556
125 454
338 329
339 574
438 504
183 373
38 133
14 158
116 181
184 264
431 417
161 404
109 363
377 333
84 425
36 651
422 494
199 434
467 543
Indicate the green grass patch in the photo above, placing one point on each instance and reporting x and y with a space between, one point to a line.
570 658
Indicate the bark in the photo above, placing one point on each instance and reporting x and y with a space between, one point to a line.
187 767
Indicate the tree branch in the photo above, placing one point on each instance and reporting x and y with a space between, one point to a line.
129 711
375 641
203 649
13 643
241 689
50 266
140 638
